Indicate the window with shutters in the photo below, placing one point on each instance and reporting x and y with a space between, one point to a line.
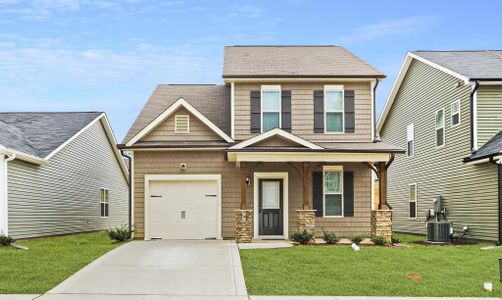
410 138
104 203
440 134
270 107
181 124
333 109
455 113
412 200
333 191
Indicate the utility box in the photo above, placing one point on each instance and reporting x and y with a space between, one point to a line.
439 232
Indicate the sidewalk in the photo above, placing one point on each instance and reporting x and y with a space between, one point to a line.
195 297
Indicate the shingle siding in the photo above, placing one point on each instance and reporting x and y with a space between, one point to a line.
64 195
469 191
489 117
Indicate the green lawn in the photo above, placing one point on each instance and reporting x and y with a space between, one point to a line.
49 261
373 271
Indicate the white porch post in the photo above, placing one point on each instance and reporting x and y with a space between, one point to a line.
3 196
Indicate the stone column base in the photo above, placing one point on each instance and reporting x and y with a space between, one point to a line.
306 219
381 223
243 225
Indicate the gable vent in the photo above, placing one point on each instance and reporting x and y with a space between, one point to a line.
182 124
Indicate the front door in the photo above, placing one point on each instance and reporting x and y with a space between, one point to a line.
270 210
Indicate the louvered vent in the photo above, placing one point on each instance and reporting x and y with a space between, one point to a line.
182 124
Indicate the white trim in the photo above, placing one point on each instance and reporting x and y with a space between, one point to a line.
372 92
270 88
293 79
436 128
490 82
176 129
23 156
416 201
331 169
334 88
459 114
181 177
475 120
238 157
399 79
168 112
279 132
285 202
113 142
232 110
180 149
484 160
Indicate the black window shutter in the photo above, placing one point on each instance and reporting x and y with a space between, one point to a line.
348 194
349 108
286 110
319 111
255 111
317 195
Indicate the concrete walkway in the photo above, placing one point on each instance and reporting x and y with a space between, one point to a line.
160 269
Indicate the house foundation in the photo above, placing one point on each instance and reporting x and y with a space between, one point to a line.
381 223
243 225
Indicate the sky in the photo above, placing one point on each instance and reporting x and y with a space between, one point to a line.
108 55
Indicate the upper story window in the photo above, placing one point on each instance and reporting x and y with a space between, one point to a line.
440 134
410 138
333 109
455 113
182 124
270 107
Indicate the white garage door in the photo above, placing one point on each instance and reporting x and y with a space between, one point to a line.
183 209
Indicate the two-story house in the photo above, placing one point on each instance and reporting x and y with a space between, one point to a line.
446 110
286 142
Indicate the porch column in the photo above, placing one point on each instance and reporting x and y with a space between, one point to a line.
382 185
243 216
244 174
306 216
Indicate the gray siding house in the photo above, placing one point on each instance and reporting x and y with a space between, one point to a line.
446 109
60 173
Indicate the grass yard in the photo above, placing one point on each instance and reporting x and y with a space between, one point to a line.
373 271
49 261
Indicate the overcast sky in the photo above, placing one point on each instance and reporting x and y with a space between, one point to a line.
108 55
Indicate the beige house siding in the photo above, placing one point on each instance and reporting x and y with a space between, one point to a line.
165 131
213 162
489 116
302 111
469 191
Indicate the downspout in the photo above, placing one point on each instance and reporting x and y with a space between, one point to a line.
499 183
129 185
377 81
476 86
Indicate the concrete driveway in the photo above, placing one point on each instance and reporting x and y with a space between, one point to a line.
159 270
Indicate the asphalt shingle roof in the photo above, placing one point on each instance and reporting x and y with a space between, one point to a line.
40 133
492 147
294 61
482 64
211 100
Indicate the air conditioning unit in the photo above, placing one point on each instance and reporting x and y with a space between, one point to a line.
439 232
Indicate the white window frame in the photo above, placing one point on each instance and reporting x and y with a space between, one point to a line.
436 128
102 201
327 169
334 88
176 129
451 113
271 88
416 201
410 131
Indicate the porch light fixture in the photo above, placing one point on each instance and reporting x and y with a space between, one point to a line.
248 181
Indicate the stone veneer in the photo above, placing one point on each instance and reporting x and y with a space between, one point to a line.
306 218
381 223
243 225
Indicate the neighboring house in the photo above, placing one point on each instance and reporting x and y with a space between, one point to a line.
60 173
283 143
446 109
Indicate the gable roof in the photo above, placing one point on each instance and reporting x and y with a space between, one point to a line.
168 112
276 132
492 148
211 100
294 61
465 65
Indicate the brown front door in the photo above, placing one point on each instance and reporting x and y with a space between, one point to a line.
270 210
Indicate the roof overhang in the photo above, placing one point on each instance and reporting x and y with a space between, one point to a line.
267 156
241 79
273 133
23 156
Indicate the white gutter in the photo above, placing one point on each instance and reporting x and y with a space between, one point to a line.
4 216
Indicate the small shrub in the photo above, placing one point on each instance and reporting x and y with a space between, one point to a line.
379 240
6 240
395 240
119 234
357 238
302 236
329 237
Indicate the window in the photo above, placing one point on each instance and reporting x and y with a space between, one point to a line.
440 128
271 194
182 124
410 137
412 199
333 109
333 191
270 107
104 203
455 113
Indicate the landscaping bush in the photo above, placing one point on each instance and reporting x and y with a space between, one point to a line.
6 240
357 238
379 240
395 240
119 234
302 236
329 237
